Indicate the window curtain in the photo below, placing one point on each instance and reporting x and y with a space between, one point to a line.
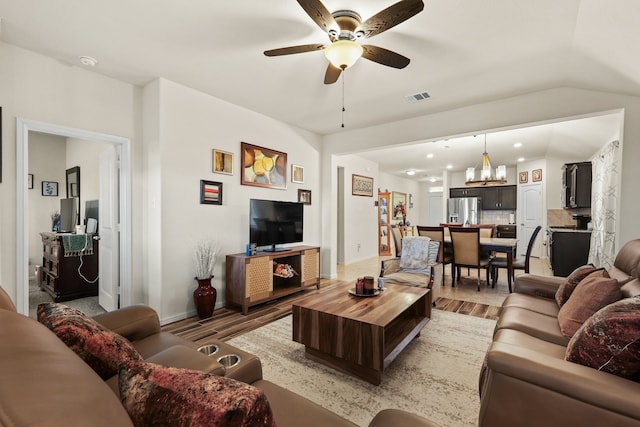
604 193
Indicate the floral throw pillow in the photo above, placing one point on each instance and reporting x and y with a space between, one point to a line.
99 347
610 340
566 288
156 395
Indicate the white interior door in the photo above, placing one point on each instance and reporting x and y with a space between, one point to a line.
435 210
530 212
109 230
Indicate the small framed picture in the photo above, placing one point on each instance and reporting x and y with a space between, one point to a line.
50 188
361 185
30 181
304 197
210 192
297 174
222 162
524 177
536 175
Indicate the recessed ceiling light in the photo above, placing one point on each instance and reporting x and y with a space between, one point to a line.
88 61
432 179
521 159
430 156
517 144
449 166
411 172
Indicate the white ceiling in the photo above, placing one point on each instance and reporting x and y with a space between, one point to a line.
462 52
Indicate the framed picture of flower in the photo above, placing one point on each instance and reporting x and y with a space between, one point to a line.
399 203
210 192
263 167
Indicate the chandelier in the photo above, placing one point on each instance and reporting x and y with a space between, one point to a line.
486 173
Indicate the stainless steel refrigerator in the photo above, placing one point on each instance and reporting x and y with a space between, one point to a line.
464 210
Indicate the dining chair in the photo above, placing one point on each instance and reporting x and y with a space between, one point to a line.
519 264
437 233
396 233
465 242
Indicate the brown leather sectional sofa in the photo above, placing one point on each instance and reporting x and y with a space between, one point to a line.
44 383
526 380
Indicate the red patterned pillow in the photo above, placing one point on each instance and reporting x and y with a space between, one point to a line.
567 287
591 294
610 340
156 395
99 347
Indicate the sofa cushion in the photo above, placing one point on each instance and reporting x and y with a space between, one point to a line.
610 340
567 287
591 294
157 395
532 323
545 306
100 348
418 253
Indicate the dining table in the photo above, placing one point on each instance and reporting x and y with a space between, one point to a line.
496 244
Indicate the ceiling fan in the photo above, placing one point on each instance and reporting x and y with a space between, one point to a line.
344 27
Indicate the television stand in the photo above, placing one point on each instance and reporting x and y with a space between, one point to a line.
250 279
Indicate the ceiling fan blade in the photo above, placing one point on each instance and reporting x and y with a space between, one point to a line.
384 56
294 49
320 15
332 74
390 17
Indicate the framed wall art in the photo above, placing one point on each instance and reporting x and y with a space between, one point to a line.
536 175
222 162
523 177
30 181
210 192
399 203
304 197
263 167
50 188
297 174
361 185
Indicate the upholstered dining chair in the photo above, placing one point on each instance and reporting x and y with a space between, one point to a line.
396 233
437 233
518 264
465 242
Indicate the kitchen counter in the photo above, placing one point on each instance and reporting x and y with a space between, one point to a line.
567 229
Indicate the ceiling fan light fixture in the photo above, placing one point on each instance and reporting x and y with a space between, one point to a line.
343 53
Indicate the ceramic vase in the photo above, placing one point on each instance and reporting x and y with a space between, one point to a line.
204 298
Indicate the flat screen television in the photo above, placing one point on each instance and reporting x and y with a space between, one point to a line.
273 223
68 214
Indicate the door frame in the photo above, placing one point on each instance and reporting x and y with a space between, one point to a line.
123 147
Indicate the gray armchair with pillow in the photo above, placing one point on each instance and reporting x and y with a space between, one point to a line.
566 351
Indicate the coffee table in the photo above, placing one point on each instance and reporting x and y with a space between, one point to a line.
360 335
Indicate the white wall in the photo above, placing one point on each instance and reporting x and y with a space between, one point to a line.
46 163
35 87
179 154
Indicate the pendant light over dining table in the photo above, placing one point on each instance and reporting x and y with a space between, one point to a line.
486 173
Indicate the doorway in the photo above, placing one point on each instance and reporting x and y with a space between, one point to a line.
123 147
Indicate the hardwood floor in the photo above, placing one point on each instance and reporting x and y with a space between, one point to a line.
463 298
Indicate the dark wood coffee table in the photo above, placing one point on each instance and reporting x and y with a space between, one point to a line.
360 335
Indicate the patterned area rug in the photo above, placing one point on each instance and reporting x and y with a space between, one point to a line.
435 376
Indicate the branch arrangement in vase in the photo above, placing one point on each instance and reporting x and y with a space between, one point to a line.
205 258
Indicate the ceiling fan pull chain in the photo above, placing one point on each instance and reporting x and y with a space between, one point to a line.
343 109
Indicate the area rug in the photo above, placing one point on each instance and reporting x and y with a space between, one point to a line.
435 376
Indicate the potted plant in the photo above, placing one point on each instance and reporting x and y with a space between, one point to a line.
205 295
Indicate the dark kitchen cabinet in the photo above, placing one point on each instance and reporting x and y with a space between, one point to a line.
568 250
576 181
499 198
464 192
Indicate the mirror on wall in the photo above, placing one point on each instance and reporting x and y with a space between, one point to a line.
73 187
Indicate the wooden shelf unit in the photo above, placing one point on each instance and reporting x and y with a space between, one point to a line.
250 279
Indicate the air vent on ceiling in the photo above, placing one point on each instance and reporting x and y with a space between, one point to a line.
416 97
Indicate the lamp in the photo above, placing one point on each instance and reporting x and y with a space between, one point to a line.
343 53
486 177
